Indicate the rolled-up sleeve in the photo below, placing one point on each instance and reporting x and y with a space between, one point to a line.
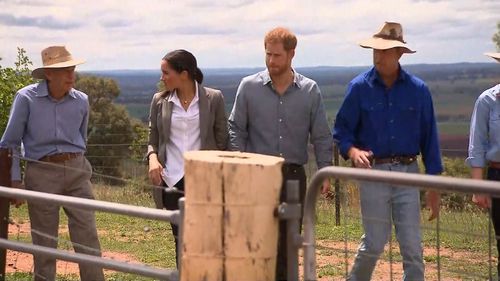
478 138
14 132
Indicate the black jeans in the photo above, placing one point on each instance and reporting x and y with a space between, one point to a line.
290 172
494 175
171 202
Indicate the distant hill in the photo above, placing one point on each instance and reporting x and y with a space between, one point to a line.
454 88
142 83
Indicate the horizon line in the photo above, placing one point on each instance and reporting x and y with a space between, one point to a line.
298 67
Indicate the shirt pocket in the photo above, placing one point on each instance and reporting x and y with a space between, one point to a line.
409 117
495 113
374 114
494 123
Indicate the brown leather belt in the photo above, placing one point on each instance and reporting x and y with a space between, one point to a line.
405 160
60 157
494 165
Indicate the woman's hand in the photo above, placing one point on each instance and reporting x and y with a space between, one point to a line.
155 169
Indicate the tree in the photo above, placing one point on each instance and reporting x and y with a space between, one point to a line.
110 132
496 37
11 80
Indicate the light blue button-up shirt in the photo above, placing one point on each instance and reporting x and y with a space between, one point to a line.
484 139
44 125
262 121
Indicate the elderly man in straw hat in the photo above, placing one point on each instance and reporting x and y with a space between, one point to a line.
50 119
484 148
387 120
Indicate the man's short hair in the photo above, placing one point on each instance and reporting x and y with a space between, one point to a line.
281 35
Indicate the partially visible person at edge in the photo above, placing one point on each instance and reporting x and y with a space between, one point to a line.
276 112
185 117
385 121
50 119
484 149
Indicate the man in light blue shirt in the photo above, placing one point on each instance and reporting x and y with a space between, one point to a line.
50 120
278 112
484 148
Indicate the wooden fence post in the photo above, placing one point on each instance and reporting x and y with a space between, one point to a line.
230 230
5 164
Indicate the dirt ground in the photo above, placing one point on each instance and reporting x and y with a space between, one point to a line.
384 268
23 262
328 254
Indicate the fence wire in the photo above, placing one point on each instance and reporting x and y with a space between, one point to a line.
459 246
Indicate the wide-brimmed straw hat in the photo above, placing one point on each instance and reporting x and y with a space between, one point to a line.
390 36
55 57
494 55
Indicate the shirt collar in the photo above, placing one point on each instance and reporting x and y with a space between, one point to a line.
496 92
175 99
43 90
266 78
374 76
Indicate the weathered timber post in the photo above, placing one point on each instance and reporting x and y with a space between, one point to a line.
230 228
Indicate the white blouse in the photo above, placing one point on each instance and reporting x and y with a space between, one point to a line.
184 136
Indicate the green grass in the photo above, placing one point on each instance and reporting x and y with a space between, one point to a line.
147 241
462 233
454 128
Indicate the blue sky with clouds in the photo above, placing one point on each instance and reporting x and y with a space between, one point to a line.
130 34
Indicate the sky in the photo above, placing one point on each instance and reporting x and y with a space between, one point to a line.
128 34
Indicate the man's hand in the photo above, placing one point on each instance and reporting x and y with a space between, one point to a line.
14 201
325 188
482 200
155 169
360 158
433 200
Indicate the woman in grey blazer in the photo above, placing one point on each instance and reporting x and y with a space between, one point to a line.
184 117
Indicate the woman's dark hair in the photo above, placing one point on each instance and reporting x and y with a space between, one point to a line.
180 60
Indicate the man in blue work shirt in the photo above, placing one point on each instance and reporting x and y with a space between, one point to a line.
386 120
50 119
277 112
484 149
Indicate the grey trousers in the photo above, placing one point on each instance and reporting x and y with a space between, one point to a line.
71 178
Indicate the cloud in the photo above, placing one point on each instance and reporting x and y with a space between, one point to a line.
44 22
229 33
201 30
222 4
38 3
115 23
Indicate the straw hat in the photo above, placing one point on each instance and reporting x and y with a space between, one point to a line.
390 36
494 55
55 57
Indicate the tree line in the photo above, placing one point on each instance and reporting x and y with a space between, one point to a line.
112 134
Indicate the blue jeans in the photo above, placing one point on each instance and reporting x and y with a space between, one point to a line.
381 205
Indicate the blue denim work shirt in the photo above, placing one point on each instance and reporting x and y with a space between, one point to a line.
44 125
396 121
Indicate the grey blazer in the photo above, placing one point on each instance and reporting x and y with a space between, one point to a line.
213 126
